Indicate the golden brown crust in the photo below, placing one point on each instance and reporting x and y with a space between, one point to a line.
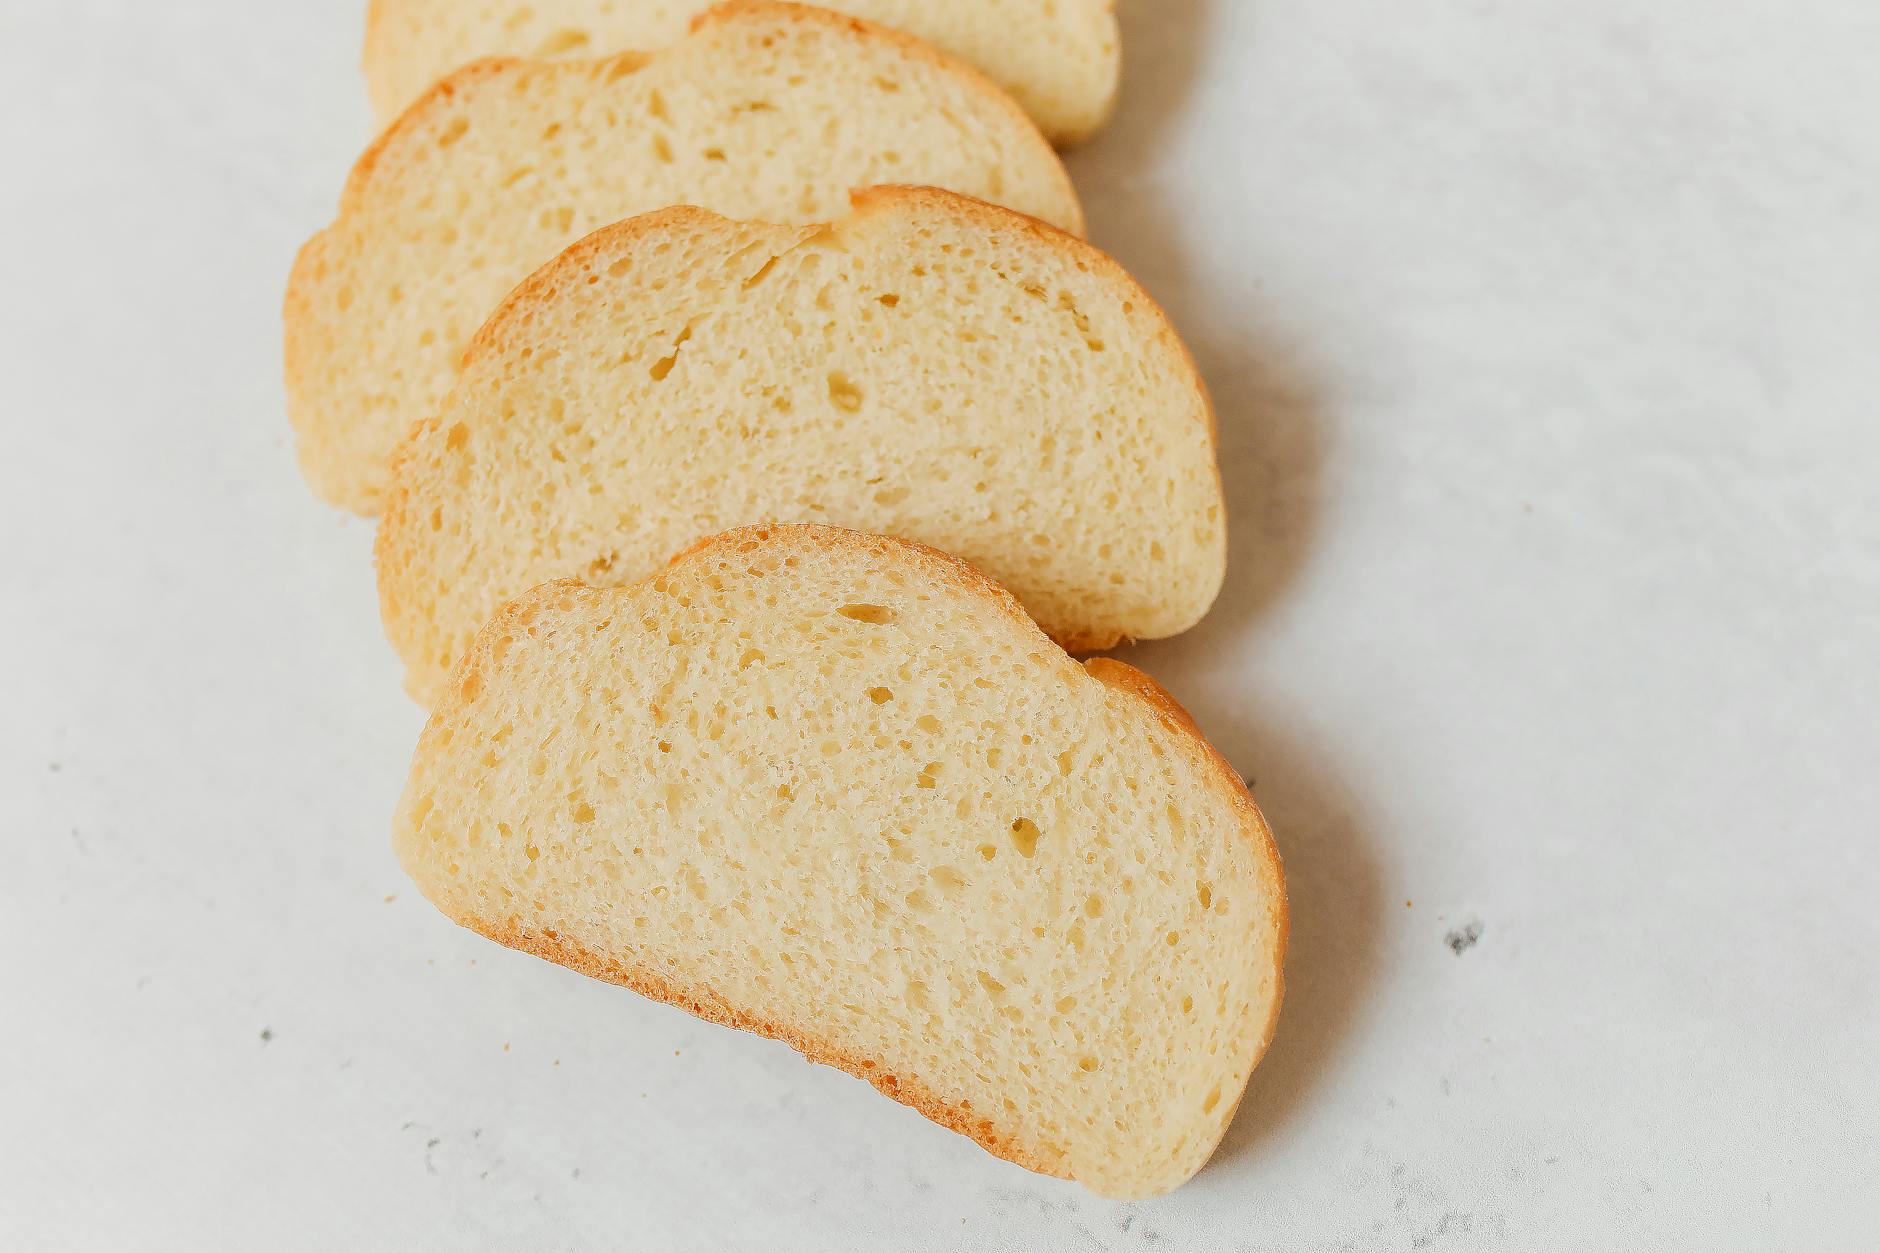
540 287
702 1002
1174 716
916 49
458 82
1169 711
865 202
940 566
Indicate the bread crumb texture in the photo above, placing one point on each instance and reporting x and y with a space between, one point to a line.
766 111
930 367
1058 58
838 790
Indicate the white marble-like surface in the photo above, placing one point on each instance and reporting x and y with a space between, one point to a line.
1547 345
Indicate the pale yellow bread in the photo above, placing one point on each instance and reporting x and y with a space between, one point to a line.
766 110
837 789
1058 58
929 366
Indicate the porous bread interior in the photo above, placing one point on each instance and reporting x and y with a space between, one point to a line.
766 111
837 789
931 367
1058 58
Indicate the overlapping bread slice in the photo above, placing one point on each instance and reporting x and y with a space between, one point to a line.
838 789
1058 58
930 367
767 110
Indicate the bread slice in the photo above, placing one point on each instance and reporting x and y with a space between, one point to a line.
1058 58
837 789
930 366
768 110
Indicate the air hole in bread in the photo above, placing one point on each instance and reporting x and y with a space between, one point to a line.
623 65
562 43
1025 836
761 273
843 393
663 366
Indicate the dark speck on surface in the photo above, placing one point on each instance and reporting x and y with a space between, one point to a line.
267 1033
1463 938
55 766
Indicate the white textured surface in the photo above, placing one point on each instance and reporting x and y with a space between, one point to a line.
1547 342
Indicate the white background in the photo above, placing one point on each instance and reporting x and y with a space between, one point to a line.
1546 338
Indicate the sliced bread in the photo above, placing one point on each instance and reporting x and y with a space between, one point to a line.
1058 58
767 110
930 366
837 789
